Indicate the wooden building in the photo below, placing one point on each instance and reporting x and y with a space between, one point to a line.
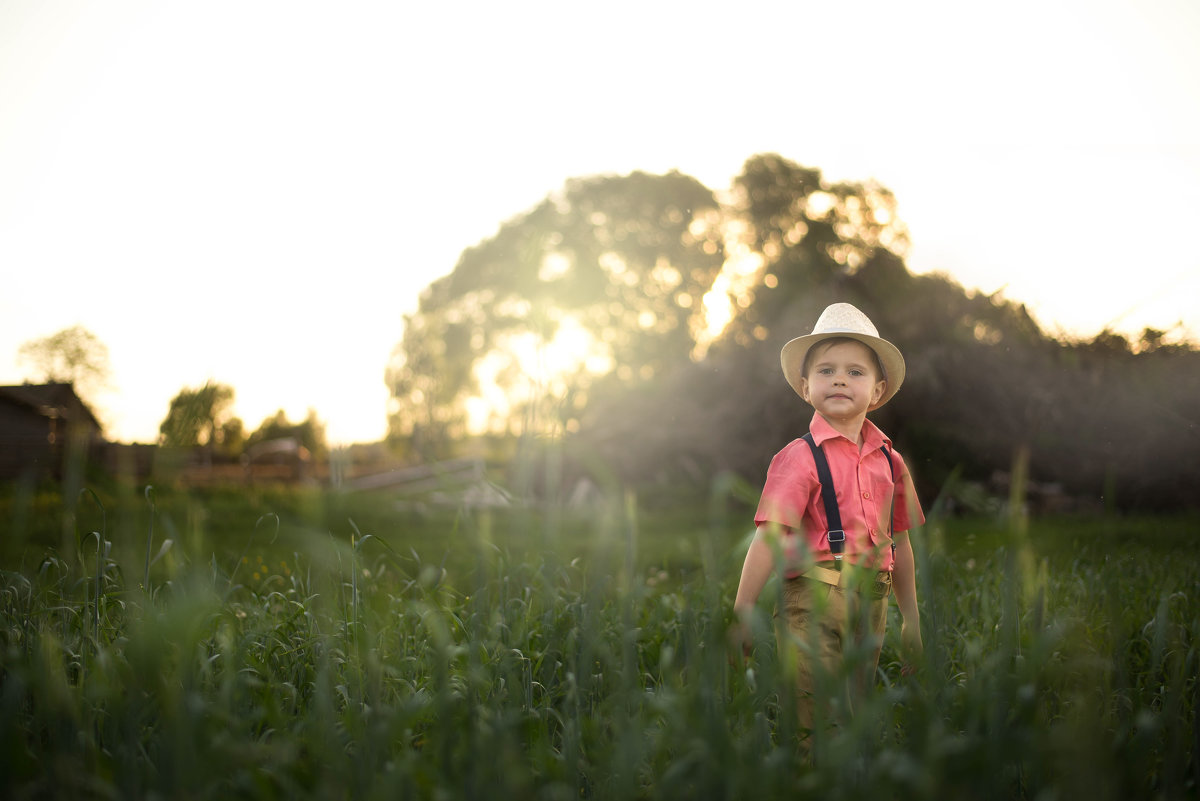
41 426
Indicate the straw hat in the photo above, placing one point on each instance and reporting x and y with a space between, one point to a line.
844 320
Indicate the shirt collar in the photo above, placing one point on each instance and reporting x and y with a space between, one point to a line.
873 437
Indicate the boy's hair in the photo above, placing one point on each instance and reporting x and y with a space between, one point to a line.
826 344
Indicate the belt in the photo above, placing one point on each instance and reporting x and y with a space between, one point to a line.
850 576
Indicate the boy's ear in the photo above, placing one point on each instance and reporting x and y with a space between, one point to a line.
802 385
880 388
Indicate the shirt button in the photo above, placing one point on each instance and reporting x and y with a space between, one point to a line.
867 495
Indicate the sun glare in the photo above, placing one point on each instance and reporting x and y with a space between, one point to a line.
524 371
554 266
820 204
732 290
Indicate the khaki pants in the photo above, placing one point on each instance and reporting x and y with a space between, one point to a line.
831 641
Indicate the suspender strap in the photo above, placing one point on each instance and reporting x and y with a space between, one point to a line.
833 516
892 510
837 536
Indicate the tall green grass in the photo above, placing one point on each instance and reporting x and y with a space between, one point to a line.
524 655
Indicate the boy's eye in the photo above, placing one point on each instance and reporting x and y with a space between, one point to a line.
825 371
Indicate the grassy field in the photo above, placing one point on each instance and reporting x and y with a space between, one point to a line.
301 644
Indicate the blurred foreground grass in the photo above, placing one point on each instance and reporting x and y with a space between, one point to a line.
301 644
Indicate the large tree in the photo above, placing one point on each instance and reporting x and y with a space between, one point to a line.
798 242
631 266
805 237
1100 419
600 284
795 242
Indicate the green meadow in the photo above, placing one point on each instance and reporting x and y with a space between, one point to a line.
308 644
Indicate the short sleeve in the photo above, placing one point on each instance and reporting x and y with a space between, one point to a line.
908 512
791 478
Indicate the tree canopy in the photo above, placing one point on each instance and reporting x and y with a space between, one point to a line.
199 417
309 432
675 304
601 283
71 356
202 417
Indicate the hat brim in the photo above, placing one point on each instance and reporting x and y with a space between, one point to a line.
791 358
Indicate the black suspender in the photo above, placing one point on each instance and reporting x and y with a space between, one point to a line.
837 536
833 516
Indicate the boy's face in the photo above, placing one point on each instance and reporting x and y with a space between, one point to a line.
842 381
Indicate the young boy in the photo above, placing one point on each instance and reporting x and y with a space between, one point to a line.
836 592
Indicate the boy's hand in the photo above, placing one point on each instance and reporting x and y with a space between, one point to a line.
911 648
741 636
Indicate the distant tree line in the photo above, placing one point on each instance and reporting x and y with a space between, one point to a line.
202 418
586 318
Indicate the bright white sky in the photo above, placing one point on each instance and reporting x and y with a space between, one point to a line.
255 192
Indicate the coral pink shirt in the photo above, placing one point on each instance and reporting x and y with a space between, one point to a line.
791 497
